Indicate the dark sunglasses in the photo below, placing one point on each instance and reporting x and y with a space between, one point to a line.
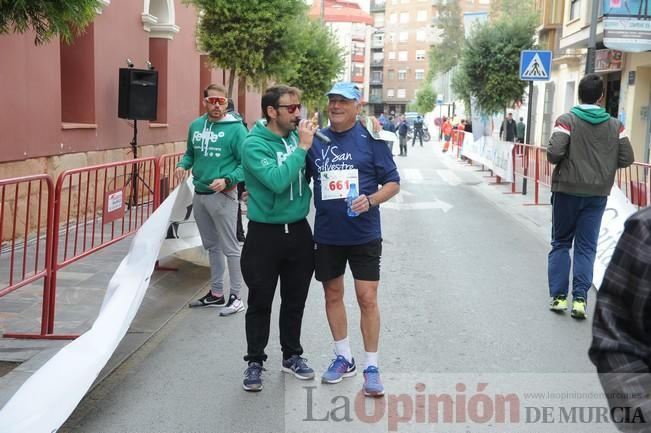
290 107
216 100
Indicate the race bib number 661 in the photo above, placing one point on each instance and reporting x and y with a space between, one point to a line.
336 183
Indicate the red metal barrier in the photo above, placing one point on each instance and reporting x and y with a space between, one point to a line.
96 207
166 179
26 209
635 183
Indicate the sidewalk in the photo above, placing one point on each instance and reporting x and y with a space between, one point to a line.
80 291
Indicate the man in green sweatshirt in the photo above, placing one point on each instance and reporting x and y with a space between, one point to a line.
213 154
587 146
279 242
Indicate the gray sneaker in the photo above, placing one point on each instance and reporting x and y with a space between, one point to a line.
298 367
209 300
234 305
253 377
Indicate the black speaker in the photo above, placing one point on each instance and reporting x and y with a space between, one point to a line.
138 96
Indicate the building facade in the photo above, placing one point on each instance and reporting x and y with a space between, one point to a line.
61 101
407 39
353 29
405 31
376 61
564 29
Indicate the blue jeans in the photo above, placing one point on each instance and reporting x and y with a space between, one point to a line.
574 219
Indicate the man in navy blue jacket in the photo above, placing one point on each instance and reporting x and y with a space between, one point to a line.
353 156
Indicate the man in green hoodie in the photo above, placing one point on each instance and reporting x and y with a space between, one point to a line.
279 242
213 154
587 146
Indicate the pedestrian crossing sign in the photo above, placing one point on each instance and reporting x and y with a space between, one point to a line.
535 65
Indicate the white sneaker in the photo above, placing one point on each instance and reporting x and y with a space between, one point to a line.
235 305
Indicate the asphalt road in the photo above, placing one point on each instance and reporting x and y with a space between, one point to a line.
463 300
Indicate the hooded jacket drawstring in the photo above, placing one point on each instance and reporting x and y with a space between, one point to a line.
205 137
291 185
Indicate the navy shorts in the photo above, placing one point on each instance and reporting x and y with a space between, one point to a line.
364 261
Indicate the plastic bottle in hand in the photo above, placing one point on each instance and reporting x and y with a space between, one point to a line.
352 195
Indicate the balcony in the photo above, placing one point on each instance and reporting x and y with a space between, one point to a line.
357 79
377 44
375 99
358 58
376 81
377 62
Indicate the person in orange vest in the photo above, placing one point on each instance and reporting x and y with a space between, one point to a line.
446 128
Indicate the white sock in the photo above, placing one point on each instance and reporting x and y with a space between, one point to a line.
342 347
371 360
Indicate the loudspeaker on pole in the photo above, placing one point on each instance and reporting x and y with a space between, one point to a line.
138 97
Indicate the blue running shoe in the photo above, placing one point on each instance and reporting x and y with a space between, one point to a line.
297 366
253 377
339 368
372 383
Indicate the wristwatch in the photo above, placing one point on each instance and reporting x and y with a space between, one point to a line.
370 203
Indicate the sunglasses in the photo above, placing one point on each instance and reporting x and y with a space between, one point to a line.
290 107
216 100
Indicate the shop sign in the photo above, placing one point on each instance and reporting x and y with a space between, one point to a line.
627 25
608 60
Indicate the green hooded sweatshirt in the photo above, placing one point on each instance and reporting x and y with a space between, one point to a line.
274 172
214 151
591 114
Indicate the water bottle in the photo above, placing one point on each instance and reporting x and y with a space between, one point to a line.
352 195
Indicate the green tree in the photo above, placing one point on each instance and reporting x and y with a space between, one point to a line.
254 39
462 89
445 56
425 98
64 18
319 61
491 60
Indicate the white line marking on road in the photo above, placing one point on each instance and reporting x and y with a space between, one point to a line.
412 175
449 177
425 205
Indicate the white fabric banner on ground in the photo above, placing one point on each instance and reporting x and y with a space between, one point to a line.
49 396
618 209
494 154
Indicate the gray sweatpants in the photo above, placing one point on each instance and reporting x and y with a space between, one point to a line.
216 216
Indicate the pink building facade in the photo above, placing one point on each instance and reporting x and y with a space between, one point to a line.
60 101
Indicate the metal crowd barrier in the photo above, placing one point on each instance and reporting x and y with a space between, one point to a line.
93 207
26 213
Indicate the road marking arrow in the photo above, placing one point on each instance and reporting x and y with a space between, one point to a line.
425 205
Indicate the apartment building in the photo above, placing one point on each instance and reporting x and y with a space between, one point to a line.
353 28
376 61
407 39
405 31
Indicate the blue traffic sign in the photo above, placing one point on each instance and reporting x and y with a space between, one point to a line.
535 65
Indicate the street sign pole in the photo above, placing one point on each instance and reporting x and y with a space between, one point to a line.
592 39
535 65
527 137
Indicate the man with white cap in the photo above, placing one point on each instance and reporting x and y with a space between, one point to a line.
350 233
